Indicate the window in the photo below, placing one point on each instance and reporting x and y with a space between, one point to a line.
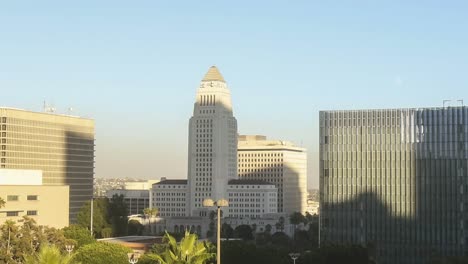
32 212
11 198
12 213
32 197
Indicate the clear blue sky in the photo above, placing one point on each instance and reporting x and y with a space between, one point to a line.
134 66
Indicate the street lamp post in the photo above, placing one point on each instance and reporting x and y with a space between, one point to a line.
294 256
220 203
92 212
69 248
133 257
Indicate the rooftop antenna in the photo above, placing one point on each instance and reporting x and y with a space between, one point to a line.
70 110
445 101
461 102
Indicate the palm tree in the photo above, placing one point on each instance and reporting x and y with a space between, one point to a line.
188 251
49 254
2 202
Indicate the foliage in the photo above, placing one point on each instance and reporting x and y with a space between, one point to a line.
118 215
188 251
280 239
151 211
280 224
234 252
296 218
268 228
80 234
18 242
244 232
49 254
331 254
102 253
135 228
2 202
227 231
109 216
100 216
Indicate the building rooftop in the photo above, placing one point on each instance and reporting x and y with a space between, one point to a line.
259 142
248 182
213 74
171 181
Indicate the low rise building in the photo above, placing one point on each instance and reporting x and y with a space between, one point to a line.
137 195
251 198
25 195
170 196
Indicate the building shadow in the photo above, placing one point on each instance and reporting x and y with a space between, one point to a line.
79 169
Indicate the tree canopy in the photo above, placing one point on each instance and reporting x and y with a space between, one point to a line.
102 253
78 233
109 216
50 254
188 251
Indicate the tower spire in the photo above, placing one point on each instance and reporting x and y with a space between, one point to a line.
213 74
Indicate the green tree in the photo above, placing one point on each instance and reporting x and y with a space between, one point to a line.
135 228
227 231
50 254
102 253
280 224
100 216
78 233
2 203
188 251
296 218
151 211
118 215
268 228
244 232
18 242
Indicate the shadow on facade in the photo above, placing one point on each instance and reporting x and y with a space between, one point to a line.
79 169
392 236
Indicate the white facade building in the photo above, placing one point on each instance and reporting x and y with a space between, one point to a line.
251 198
169 196
246 198
137 195
212 155
277 162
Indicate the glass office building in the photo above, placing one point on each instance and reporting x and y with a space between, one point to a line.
395 180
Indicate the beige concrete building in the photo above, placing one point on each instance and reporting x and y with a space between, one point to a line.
277 162
47 204
61 146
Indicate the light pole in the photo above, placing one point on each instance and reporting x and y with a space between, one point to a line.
220 203
92 212
133 257
69 249
294 256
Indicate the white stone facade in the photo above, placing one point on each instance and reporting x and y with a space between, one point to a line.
277 162
136 200
212 155
170 197
251 198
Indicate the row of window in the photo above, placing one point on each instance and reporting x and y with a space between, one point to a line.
260 155
16 213
15 198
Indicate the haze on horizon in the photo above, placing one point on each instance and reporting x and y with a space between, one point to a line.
135 68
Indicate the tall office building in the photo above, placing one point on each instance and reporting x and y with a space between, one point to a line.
395 180
212 157
277 162
60 146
